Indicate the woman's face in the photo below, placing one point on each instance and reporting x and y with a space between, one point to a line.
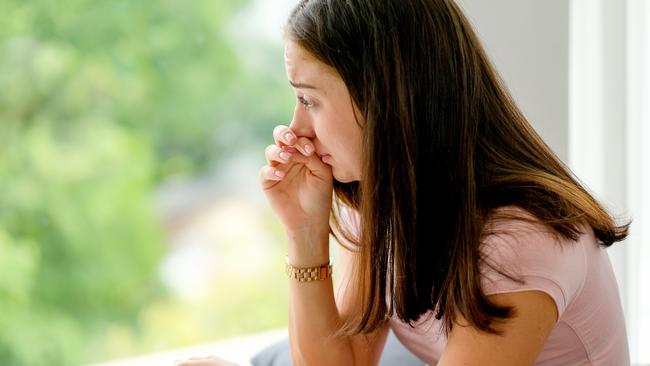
325 113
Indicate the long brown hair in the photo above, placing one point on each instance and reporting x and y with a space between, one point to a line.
444 147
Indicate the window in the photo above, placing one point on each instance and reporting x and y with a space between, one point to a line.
609 128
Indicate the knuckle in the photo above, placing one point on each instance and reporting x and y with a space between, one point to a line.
281 134
268 173
263 171
303 141
277 131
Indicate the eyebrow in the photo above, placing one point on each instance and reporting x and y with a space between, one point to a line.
301 85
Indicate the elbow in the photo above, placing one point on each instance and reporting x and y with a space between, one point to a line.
299 358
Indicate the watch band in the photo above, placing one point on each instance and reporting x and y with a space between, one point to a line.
309 274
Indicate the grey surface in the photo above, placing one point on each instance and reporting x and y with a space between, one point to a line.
394 354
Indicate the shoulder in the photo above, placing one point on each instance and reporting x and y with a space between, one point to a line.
526 266
520 253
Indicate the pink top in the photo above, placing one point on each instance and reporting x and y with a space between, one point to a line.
578 276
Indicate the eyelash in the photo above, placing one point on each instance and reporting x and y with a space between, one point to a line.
307 104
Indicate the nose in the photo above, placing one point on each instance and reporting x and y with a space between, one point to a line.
301 123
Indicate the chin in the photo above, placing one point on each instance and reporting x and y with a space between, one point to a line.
344 177
344 180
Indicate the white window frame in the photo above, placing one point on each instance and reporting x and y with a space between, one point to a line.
609 137
638 178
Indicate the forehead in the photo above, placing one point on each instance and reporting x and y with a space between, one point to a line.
301 65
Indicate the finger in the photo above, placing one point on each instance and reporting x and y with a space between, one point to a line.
271 173
314 163
196 362
193 360
276 155
283 135
305 146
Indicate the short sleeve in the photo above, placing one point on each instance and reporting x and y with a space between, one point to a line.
529 251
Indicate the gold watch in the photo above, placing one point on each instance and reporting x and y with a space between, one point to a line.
309 274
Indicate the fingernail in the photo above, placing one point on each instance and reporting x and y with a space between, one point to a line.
285 155
288 136
279 173
308 149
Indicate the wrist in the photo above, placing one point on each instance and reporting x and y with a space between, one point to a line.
307 249
309 274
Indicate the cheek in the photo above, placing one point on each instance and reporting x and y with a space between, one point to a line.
324 130
340 134
355 141
358 154
333 138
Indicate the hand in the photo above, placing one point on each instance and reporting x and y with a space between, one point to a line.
297 184
204 361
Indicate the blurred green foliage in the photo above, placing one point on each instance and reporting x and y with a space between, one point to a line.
100 101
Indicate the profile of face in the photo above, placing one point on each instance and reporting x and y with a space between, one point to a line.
325 113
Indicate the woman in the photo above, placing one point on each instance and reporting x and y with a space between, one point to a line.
460 229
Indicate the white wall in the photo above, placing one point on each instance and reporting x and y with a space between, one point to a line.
528 41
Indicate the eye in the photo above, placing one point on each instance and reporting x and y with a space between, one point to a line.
306 103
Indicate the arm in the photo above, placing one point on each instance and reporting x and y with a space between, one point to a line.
299 188
523 338
314 314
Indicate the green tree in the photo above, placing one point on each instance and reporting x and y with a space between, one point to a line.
99 102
